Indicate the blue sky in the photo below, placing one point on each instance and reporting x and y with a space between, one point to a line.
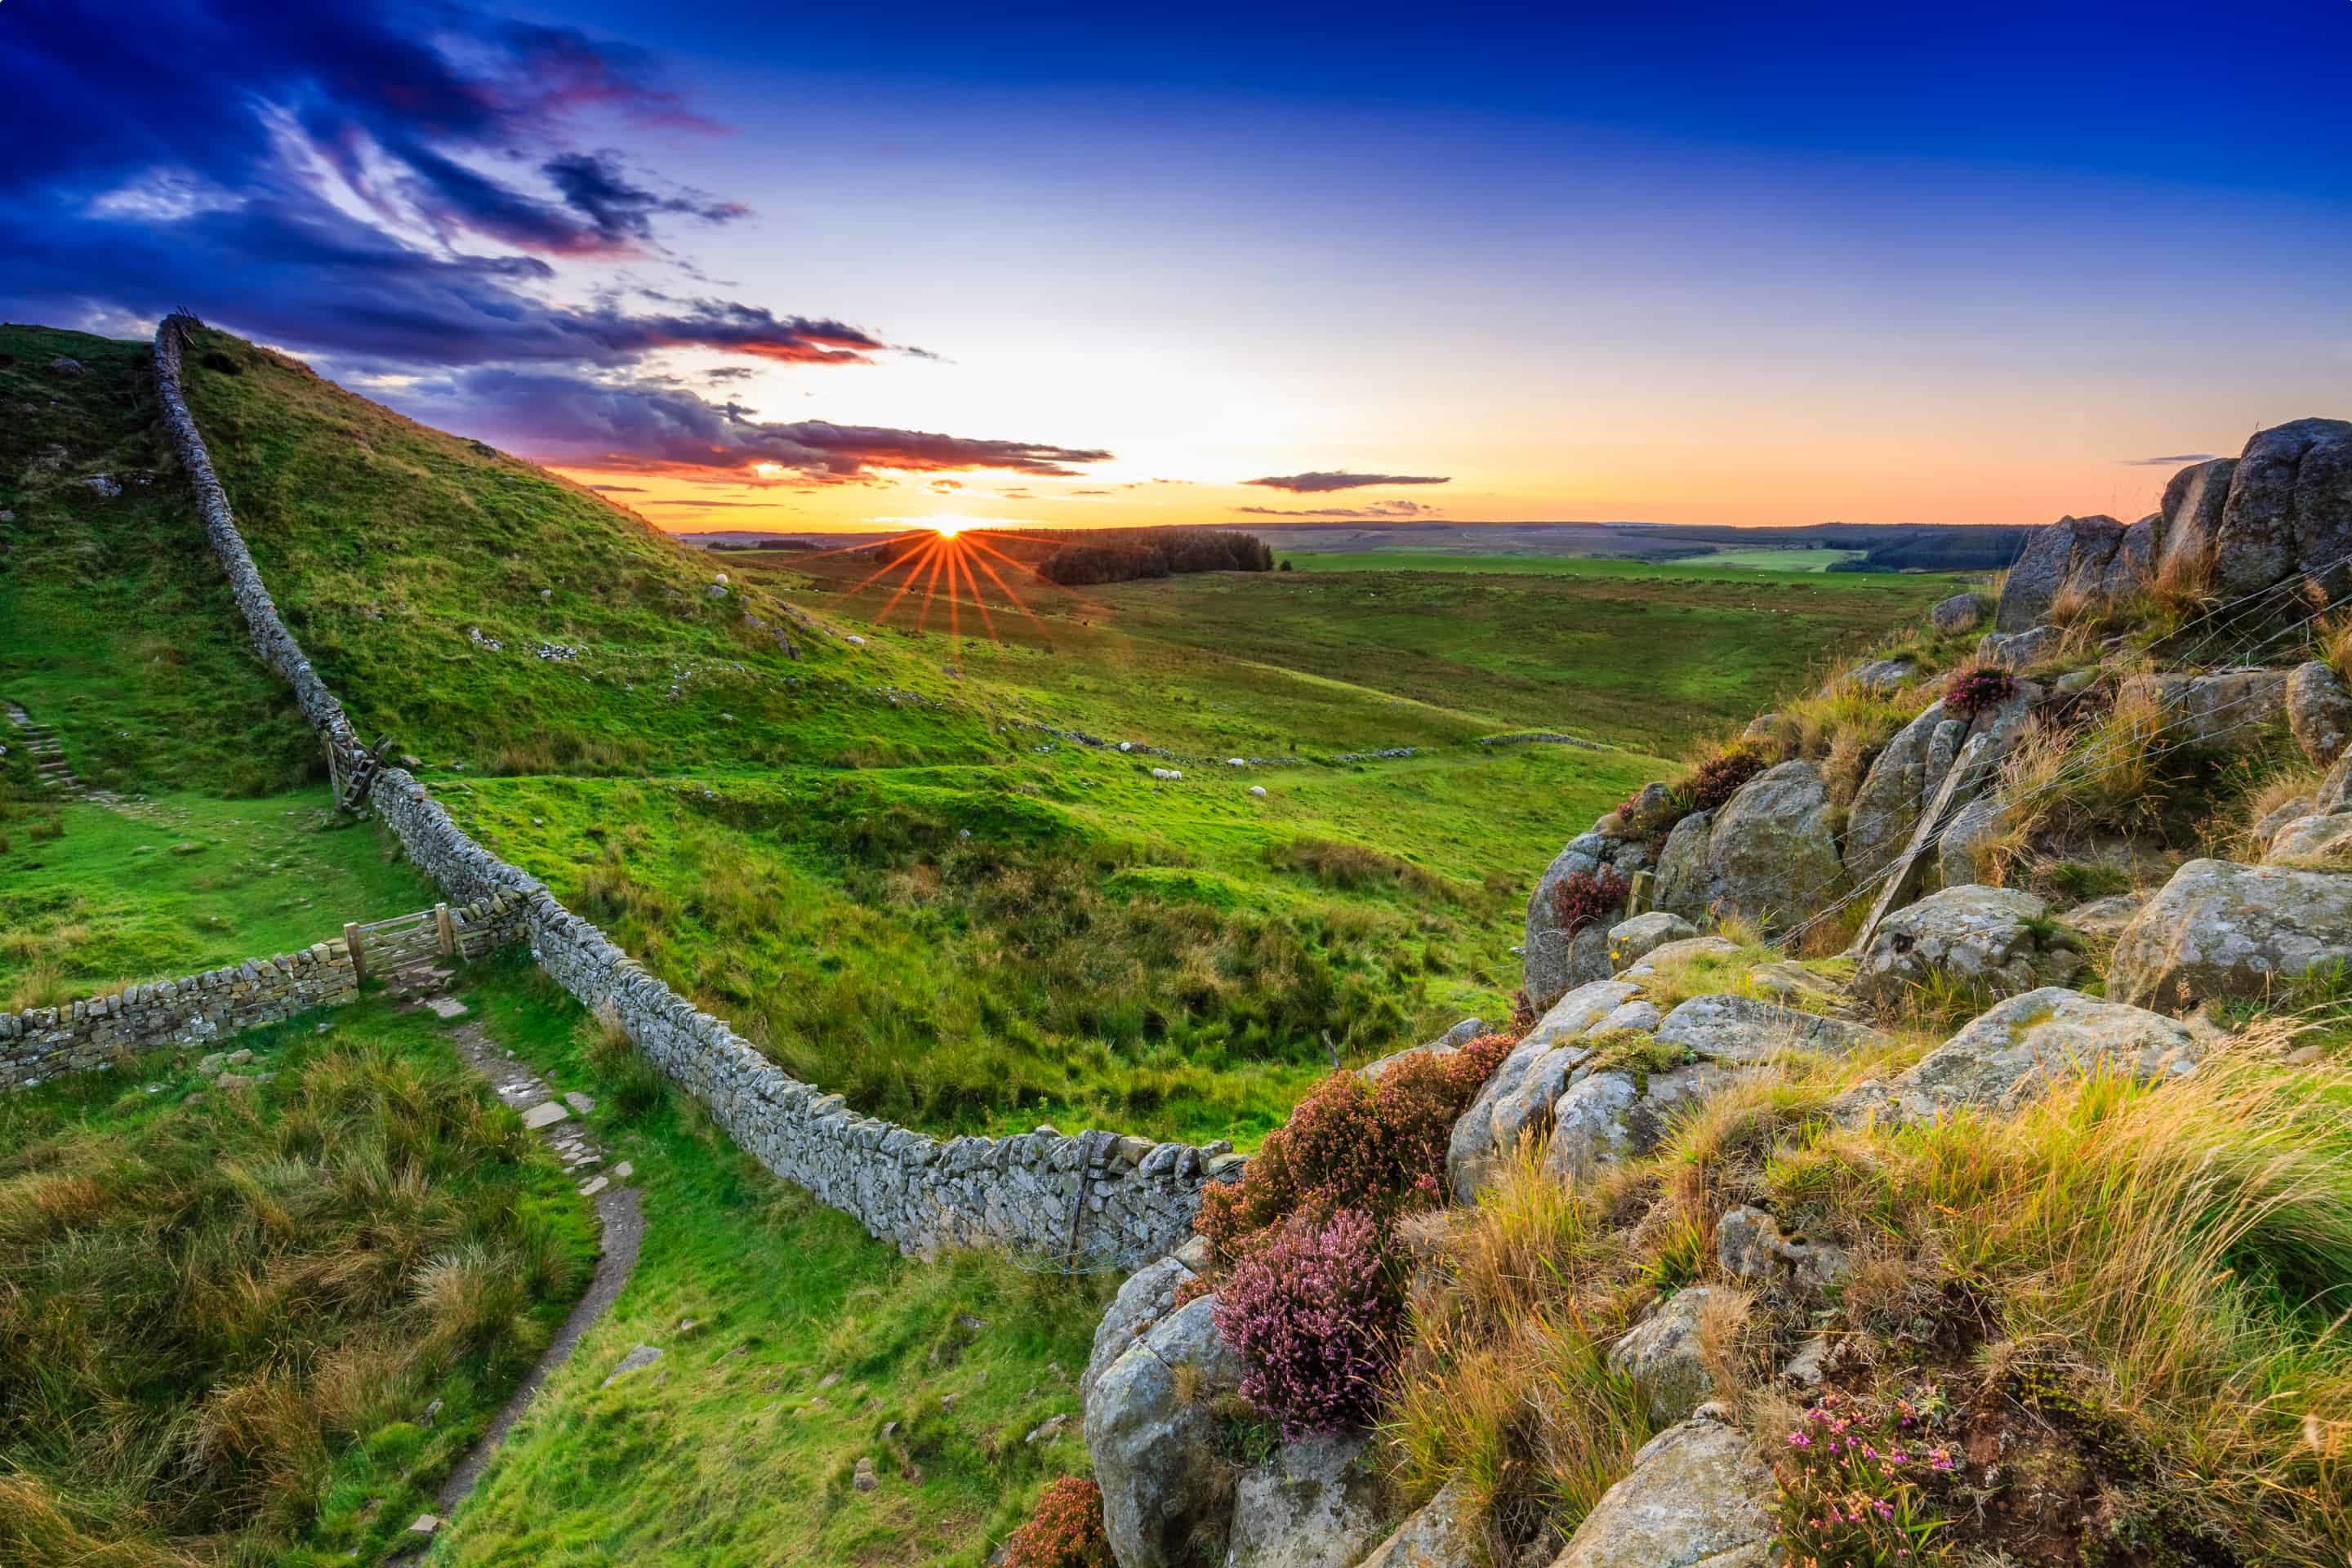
1686 263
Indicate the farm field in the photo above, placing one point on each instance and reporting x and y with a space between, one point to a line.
1767 563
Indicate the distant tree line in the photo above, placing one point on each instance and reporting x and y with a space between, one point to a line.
1979 549
1078 557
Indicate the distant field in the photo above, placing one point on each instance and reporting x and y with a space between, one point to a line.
1763 563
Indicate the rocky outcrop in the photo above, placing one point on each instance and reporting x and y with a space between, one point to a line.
1446 1532
1314 1503
2221 929
1608 1116
2134 562
1744 1032
2289 510
1882 675
1555 961
1887 805
1992 938
2019 650
2018 1047
2067 559
1664 1353
2209 711
2313 843
1151 1429
2319 711
1771 855
1144 1298
1750 1245
1696 1494
2191 511
1517 1099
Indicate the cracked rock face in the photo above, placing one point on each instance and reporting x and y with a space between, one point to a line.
1662 1353
2021 1046
2072 553
2313 843
1447 1532
1315 1503
1770 854
2319 711
1152 1432
1987 937
1557 962
1745 1032
2221 929
1696 1494
1144 1299
1519 1099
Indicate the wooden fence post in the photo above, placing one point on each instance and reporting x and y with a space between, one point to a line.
447 929
352 942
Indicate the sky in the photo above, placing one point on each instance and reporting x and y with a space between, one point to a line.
804 269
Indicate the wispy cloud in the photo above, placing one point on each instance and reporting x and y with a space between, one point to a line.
1374 510
1317 483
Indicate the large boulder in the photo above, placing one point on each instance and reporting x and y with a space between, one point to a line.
1960 613
2289 510
2018 1047
2133 563
1664 1353
1771 855
2219 929
2068 558
1630 941
1965 852
1446 1532
1696 1494
1995 939
1315 1503
1740 1031
2336 790
2319 711
1886 807
1517 1099
2218 710
1607 1117
1145 1297
1151 1429
2313 844
2191 509
1556 960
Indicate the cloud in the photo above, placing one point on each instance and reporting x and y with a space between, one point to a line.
1314 484
730 373
385 181
620 489
2177 459
618 425
1376 510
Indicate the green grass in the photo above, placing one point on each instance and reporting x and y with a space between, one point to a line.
228 1309
1762 564
188 883
807 1339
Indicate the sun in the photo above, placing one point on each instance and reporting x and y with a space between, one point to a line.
948 524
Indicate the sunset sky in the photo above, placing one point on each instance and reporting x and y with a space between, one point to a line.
776 267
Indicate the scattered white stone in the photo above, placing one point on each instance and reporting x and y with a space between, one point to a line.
1259 790
445 1007
624 1171
426 1524
594 1184
578 1101
545 1114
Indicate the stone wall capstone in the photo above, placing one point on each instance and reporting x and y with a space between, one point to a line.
1091 1198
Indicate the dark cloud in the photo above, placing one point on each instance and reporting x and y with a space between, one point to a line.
730 373
2177 459
620 489
622 426
222 153
1316 484
1376 510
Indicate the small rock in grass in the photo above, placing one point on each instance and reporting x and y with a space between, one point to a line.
426 1524
643 1356
578 1101
864 1478
545 1114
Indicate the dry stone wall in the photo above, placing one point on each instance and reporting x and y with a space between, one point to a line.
1089 1199
42 1043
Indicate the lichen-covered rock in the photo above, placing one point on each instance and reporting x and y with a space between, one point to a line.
1886 807
1517 1099
1882 674
2134 562
1663 1356
1606 1117
1674 955
2221 929
2019 650
1555 961
1960 612
1144 1298
1315 1503
2108 917
2191 509
2289 508
1749 1245
1152 1432
2319 711
2313 843
1745 1032
1965 853
2223 710
1769 855
1696 1494
1631 941
1445 1533
2070 554
2335 790
2018 1047
1994 938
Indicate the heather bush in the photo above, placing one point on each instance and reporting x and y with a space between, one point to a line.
1713 782
1376 1147
1314 1315
1970 691
1065 1531
1584 898
1854 1478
